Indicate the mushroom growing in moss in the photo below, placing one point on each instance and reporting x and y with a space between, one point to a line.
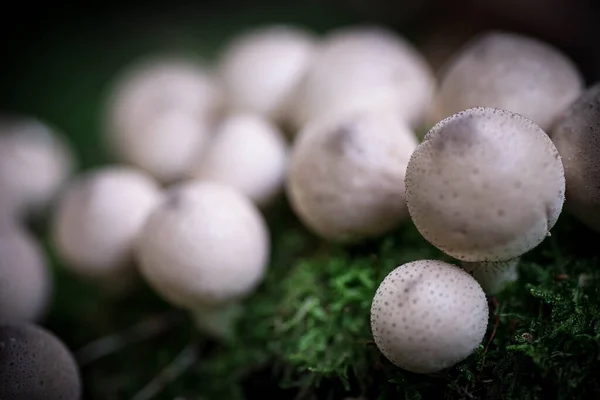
261 68
248 153
25 281
511 72
485 185
204 248
493 275
35 162
98 219
576 135
364 67
346 175
428 315
35 365
159 115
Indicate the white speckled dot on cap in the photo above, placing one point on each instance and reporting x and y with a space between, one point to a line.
428 315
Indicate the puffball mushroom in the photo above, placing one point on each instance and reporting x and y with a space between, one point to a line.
346 175
485 185
512 72
248 153
428 315
261 68
493 275
35 365
364 68
204 248
159 115
35 162
25 282
99 217
576 135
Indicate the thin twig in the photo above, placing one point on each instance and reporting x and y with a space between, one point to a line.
496 323
178 366
141 331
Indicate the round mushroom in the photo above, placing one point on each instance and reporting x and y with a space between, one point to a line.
428 315
159 115
346 175
485 185
35 162
25 282
248 153
98 219
511 72
576 135
203 248
364 68
261 68
35 365
493 275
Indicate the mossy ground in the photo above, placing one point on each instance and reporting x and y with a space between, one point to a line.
305 334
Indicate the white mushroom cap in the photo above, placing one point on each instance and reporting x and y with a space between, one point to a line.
485 185
493 275
346 175
36 365
25 281
261 68
205 245
364 67
577 138
249 153
100 216
34 164
159 115
512 72
428 315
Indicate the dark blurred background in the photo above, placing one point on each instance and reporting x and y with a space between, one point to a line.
57 57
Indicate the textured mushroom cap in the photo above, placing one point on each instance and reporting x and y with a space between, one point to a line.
159 113
205 244
99 217
346 178
25 282
261 68
485 185
248 153
512 72
364 67
34 164
577 138
428 315
493 275
35 365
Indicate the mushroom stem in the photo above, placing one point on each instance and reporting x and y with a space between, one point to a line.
217 321
493 275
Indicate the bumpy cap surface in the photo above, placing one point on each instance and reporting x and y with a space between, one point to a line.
346 175
428 315
35 365
485 185
512 72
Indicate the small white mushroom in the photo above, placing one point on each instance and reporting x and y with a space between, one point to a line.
428 315
98 219
205 247
576 135
35 162
512 72
159 115
248 153
364 68
346 175
25 281
261 68
493 275
485 185
36 365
